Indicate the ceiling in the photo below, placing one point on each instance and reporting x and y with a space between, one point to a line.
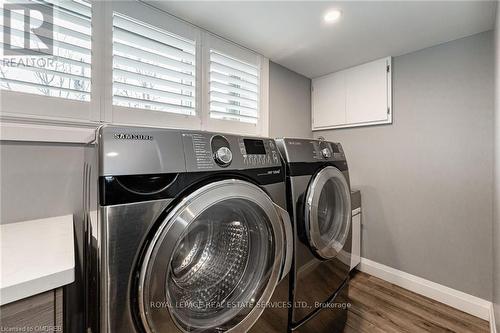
294 35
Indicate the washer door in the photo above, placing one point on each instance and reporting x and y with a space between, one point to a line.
328 212
214 260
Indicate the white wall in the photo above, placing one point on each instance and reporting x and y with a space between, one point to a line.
426 180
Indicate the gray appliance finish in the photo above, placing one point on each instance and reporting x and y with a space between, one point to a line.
319 204
355 199
184 231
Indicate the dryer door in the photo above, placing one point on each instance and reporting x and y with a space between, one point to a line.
328 212
214 261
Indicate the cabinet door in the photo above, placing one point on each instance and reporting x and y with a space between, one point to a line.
328 101
357 96
42 312
367 93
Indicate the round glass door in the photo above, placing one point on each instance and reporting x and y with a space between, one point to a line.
328 212
214 260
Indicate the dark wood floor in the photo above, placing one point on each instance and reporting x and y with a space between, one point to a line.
381 307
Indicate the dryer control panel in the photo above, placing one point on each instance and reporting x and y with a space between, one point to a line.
324 150
206 151
310 150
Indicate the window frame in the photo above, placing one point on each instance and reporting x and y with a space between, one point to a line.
49 115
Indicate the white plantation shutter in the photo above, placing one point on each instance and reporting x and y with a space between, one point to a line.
152 68
67 72
234 89
146 67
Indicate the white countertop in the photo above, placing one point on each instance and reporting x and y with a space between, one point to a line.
36 256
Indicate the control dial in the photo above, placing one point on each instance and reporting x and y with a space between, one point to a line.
326 153
221 151
223 156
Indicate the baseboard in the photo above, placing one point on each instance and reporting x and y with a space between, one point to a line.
493 325
459 300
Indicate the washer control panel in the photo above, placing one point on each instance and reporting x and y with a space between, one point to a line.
210 151
258 152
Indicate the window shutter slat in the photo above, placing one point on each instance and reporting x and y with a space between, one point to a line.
226 88
57 74
153 105
226 69
153 34
252 103
66 72
150 57
233 81
62 12
121 61
234 89
72 6
147 91
39 86
45 36
169 51
231 109
161 82
234 64
83 35
152 69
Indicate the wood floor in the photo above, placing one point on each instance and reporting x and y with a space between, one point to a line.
380 307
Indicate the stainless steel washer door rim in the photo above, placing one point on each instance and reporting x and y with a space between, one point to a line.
328 212
222 244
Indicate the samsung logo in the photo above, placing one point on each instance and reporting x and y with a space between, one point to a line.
130 136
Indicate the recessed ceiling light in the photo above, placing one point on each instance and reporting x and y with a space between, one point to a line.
332 16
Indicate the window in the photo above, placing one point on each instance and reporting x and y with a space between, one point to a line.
152 69
126 62
234 89
66 72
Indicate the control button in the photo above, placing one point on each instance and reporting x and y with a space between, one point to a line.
223 156
326 153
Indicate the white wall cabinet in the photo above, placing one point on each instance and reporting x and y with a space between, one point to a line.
357 96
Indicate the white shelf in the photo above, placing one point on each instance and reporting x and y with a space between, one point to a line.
36 256
47 131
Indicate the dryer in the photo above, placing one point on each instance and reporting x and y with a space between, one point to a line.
319 203
186 231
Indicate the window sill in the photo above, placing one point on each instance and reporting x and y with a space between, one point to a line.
47 131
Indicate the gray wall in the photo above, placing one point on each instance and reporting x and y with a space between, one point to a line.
496 221
39 180
426 179
289 103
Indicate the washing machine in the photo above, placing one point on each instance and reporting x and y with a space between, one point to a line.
185 231
319 204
